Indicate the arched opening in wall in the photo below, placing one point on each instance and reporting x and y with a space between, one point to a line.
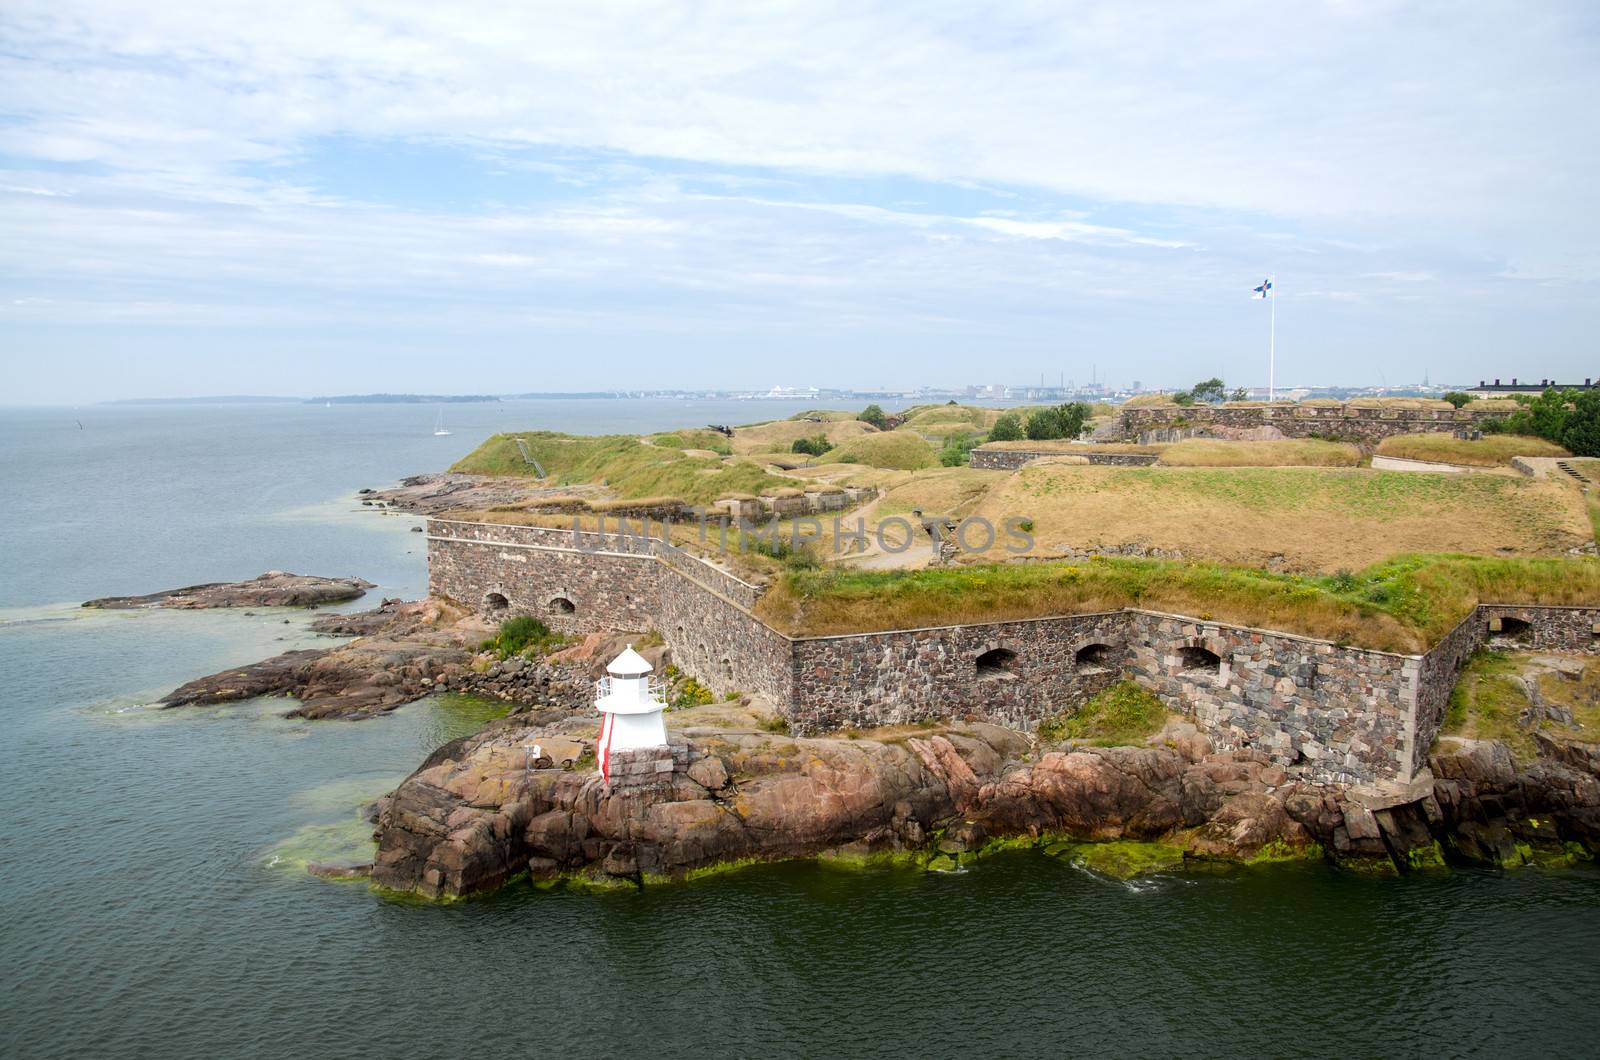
1514 630
560 605
1095 657
727 669
1197 660
495 602
997 664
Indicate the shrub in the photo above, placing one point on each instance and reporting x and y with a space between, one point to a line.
1209 391
1008 428
813 446
1458 399
522 635
874 415
692 693
957 449
1063 421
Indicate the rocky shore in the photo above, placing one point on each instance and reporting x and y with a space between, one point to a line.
275 588
452 490
482 811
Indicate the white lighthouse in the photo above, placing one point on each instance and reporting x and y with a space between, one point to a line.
631 705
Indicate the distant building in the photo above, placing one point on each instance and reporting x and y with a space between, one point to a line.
1497 388
792 392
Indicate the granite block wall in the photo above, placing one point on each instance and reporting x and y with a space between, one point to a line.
1011 459
1013 673
1365 426
1327 712
610 582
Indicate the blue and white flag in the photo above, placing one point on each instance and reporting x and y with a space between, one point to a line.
1265 290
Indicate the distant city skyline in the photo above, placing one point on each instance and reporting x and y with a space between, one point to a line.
344 198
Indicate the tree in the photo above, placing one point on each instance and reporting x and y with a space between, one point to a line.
874 415
1063 421
1184 398
813 446
1240 394
1210 391
1008 428
1073 418
1458 399
1044 425
1582 431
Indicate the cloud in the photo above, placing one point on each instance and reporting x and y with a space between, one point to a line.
1053 175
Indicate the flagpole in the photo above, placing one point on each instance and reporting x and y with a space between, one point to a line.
1272 342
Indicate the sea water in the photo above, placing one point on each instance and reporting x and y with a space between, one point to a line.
154 900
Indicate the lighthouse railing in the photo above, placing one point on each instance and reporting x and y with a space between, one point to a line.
655 690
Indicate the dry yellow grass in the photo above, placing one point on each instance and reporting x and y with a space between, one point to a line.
779 435
1492 450
903 450
1306 452
1302 519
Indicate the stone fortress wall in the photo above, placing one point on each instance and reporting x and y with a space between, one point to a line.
1363 425
1324 711
1011 459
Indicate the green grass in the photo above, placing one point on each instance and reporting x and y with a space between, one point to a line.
523 635
1404 604
1122 714
622 463
900 450
1485 704
1308 452
716 443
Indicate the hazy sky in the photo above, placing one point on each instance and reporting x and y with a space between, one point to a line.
287 197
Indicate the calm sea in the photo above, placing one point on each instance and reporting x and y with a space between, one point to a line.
153 900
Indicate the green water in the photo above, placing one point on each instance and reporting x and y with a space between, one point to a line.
153 900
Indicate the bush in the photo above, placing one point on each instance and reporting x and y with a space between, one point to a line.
957 449
874 415
813 446
1008 428
1209 391
522 635
1063 421
1458 399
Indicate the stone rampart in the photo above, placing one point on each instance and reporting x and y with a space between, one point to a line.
1363 425
1011 459
1324 711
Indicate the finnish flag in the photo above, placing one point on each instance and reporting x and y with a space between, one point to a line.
1265 290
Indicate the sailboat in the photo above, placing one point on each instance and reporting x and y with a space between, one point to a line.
438 426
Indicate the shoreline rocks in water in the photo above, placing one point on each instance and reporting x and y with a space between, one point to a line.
477 814
275 588
435 493
402 652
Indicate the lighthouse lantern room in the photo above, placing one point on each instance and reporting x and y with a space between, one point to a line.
631 706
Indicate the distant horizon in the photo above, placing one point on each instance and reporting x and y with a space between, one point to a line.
202 201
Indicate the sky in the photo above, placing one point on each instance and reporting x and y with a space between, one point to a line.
302 198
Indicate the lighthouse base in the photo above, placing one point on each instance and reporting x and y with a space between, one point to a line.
646 767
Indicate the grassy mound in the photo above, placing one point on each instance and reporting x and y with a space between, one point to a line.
899 450
1492 450
628 467
950 419
711 440
1308 452
1122 714
1301 518
1405 604
779 436
1062 445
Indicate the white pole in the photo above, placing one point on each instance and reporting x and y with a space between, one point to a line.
1272 342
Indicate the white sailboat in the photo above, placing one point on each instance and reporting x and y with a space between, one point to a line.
438 426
